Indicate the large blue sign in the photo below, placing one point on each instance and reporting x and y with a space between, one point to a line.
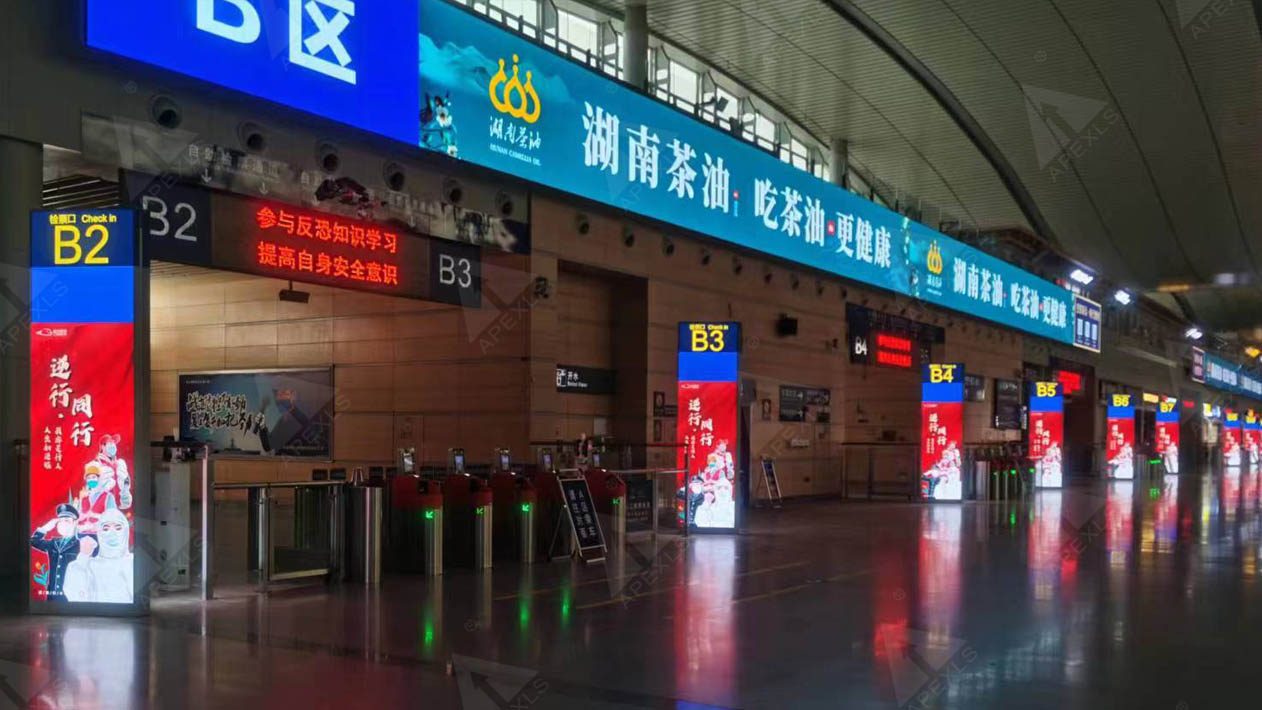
353 61
498 100
1231 377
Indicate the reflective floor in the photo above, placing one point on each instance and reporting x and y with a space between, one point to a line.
1111 595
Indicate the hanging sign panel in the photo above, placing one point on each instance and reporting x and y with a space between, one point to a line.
84 481
1167 420
1119 442
707 424
941 431
1047 433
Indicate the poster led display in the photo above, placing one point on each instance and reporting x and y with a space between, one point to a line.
1252 433
267 413
1047 433
85 483
1229 438
1119 441
1167 444
942 431
707 424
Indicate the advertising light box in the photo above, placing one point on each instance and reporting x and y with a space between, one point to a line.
1167 420
1119 442
1252 433
267 413
942 431
85 482
707 425
1230 438
1047 434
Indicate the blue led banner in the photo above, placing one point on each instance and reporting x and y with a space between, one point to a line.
1231 377
353 61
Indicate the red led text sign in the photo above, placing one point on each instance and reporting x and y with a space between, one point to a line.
894 351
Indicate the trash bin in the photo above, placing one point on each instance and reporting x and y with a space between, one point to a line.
365 534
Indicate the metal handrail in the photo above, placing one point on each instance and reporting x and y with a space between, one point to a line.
280 484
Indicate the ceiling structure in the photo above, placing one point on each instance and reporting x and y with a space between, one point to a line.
1126 134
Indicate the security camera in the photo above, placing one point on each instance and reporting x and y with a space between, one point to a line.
327 157
543 287
705 257
794 282
394 176
504 203
668 246
453 192
165 112
252 137
767 276
628 236
582 224
737 266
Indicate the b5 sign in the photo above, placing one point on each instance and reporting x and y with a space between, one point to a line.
353 61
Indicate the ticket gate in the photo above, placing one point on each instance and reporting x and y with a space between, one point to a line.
515 502
609 493
468 525
414 531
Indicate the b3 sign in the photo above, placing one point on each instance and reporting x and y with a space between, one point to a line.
347 60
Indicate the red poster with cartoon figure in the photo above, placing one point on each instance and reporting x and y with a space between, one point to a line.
82 454
707 430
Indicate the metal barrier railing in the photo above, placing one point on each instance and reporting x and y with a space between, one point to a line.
882 469
329 495
652 476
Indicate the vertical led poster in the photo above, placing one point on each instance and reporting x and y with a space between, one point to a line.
941 431
1167 420
1047 433
1229 437
1252 438
84 479
1119 442
707 426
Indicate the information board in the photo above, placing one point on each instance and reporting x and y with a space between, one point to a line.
1167 446
266 413
86 480
1007 404
1119 442
639 504
582 514
1047 433
942 431
708 370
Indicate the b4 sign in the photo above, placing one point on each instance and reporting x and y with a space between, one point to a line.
348 60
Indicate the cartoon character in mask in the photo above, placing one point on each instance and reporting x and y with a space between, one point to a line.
110 465
95 497
108 576
61 548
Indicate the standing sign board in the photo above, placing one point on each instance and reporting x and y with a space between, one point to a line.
1168 433
1047 433
707 426
941 432
1119 444
581 510
1252 438
1230 437
88 475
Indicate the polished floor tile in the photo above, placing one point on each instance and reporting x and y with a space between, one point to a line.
1118 595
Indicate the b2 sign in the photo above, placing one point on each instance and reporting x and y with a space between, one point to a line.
84 476
347 60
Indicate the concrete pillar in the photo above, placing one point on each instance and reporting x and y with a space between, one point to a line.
635 44
22 165
840 161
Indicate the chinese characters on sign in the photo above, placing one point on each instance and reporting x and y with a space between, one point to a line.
1167 446
1047 433
942 432
83 410
707 424
1229 438
311 258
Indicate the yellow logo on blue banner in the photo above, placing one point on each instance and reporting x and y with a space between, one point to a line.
941 373
516 99
707 338
1167 406
1121 400
1045 389
934 259
80 239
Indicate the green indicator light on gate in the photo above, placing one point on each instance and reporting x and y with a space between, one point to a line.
525 507
617 501
479 510
429 515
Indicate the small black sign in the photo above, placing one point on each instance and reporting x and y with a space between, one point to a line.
584 380
175 219
974 388
1007 404
455 274
582 511
663 410
801 404
639 504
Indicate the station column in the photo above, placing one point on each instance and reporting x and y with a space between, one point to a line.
635 45
21 189
840 161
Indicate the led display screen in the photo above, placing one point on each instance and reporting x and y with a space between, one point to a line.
1119 440
942 432
1252 433
1047 433
83 482
1167 445
707 425
1229 438
266 413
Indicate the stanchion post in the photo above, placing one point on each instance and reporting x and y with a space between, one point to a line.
208 525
